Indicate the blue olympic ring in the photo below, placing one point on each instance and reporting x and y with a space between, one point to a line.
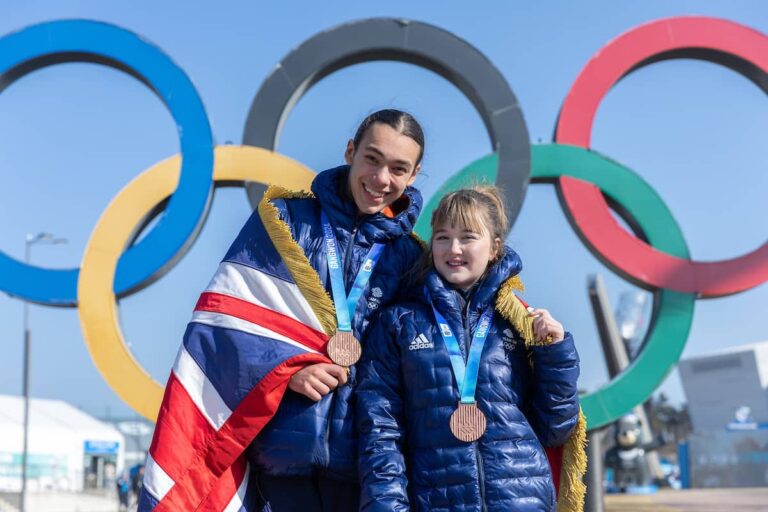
57 42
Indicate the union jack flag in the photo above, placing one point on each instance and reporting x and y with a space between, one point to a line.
261 319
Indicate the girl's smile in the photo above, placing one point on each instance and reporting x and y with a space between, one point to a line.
462 255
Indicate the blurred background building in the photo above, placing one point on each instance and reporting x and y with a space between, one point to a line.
727 395
69 450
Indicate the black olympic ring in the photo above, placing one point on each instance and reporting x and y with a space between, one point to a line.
406 41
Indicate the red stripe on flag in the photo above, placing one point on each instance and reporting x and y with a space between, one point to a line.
265 317
225 446
181 430
555 457
225 488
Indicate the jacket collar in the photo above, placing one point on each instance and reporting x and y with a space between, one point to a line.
330 188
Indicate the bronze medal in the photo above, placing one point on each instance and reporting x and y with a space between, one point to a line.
468 423
344 349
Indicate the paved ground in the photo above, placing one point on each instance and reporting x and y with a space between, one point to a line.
59 502
694 500
697 500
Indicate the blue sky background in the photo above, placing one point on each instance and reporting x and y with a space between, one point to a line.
72 136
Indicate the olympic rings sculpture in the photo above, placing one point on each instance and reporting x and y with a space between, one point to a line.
86 41
583 177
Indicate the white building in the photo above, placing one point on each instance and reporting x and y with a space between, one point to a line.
718 385
68 449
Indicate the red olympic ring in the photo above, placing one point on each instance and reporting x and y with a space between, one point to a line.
738 47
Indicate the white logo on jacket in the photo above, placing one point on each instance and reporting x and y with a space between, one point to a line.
509 340
374 301
420 342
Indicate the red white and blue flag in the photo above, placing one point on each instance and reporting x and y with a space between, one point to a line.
252 329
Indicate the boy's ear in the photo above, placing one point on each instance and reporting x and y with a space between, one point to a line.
350 152
413 176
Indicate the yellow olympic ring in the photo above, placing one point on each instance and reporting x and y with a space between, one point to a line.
97 309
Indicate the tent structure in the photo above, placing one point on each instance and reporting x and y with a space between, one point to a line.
69 450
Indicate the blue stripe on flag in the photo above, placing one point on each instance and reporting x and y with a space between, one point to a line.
146 501
255 249
234 361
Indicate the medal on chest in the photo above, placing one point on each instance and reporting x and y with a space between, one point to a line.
343 348
467 422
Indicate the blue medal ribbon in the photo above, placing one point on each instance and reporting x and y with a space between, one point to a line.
465 374
345 305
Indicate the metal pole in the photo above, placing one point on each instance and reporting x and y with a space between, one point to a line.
593 501
28 243
617 359
25 390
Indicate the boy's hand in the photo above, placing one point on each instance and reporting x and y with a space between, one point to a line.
317 380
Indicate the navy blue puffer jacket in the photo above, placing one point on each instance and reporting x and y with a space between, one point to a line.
305 437
409 460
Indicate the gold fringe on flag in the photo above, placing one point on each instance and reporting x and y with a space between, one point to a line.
574 465
295 260
572 487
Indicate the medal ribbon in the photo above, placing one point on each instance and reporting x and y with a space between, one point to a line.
345 305
466 375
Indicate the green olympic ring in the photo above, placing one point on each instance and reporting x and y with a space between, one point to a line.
642 208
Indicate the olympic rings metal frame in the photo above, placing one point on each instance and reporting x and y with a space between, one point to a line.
407 41
737 47
580 175
57 42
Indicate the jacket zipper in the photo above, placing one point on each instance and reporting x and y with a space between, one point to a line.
478 455
348 252
327 440
467 331
480 477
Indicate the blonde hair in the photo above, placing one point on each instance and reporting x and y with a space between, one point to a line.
480 209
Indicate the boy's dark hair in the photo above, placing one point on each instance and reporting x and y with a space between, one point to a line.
402 122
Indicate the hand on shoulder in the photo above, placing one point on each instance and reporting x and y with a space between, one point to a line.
545 325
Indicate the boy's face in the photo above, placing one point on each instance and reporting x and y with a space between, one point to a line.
381 167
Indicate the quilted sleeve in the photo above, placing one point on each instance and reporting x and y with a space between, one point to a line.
380 420
555 399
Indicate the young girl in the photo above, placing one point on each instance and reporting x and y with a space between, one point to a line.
461 389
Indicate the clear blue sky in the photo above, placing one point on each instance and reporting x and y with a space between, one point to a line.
72 136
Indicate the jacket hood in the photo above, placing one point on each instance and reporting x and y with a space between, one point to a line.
330 188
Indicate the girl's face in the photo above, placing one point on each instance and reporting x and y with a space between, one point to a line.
461 255
381 167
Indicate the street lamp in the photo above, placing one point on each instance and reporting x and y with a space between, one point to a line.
31 240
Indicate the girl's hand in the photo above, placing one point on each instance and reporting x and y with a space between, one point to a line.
544 325
317 380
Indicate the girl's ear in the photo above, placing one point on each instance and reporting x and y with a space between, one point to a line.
496 251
